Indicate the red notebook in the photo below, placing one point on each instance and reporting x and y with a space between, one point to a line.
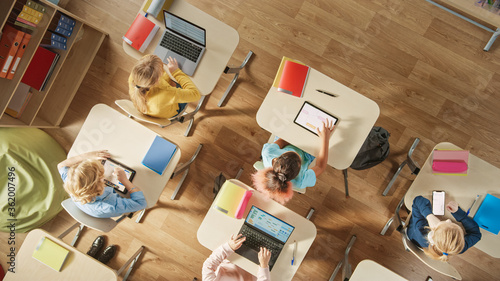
40 68
293 79
140 33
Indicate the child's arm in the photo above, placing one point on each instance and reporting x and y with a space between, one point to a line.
324 137
98 154
281 143
122 177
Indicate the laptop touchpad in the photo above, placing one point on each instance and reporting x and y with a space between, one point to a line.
180 59
248 253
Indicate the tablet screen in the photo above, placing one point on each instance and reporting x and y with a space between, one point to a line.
310 117
112 180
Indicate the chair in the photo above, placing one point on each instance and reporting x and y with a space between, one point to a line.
347 269
412 164
236 72
100 224
442 267
132 112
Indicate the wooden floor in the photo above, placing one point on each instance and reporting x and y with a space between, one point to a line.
424 67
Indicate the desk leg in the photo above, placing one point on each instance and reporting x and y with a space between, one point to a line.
236 71
132 262
492 39
184 168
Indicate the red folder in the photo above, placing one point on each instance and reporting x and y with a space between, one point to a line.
140 33
293 79
11 39
40 68
19 55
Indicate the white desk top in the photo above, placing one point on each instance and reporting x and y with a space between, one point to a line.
78 266
482 178
217 228
356 114
127 142
222 40
370 270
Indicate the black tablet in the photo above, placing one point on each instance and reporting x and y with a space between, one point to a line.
311 117
110 179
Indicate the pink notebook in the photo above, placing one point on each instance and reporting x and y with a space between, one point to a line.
450 162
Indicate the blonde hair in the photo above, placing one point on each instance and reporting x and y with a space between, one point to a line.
448 239
144 75
84 180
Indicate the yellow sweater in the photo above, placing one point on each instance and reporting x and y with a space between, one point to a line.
162 100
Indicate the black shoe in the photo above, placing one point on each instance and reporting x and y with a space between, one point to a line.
107 254
96 247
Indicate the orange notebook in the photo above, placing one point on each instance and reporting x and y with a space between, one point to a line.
11 39
140 33
293 79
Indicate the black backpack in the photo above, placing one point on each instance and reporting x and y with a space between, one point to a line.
374 150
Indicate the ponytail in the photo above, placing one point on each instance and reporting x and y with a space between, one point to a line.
444 240
144 75
269 183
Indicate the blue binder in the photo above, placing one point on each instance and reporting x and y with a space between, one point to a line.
487 214
159 155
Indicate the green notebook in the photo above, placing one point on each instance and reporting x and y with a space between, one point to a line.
50 253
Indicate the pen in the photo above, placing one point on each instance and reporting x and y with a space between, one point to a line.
294 251
477 197
326 93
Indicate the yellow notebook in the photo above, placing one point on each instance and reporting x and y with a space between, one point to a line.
165 7
50 253
232 200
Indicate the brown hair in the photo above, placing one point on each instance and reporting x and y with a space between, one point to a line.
275 181
84 180
448 239
144 75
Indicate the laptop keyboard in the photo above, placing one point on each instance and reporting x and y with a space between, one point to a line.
181 46
255 240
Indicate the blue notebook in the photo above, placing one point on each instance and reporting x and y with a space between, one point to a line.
487 214
159 155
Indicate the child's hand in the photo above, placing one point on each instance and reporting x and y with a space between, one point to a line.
235 242
452 206
120 175
326 130
172 64
98 154
264 257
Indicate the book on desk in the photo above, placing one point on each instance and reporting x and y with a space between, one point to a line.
159 155
291 77
50 253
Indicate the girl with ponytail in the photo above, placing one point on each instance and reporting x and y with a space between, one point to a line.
154 93
441 239
288 166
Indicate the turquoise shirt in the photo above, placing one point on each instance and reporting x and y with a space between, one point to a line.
306 176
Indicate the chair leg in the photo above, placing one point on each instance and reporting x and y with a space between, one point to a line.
184 168
77 235
236 71
386 226
130 262
394 178
346 272
309 215
346 184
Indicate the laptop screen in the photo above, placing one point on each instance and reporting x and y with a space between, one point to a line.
185 28
269 224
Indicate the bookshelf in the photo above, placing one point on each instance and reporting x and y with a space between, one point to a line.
47 108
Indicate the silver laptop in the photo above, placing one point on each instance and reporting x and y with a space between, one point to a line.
262 229
183 41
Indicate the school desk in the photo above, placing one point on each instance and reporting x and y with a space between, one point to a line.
370 270
357 115
217 228
481 178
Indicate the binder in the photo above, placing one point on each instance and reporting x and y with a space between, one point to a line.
140 33
50 253
18 56
11 39
67 20
159 155
293 79
40 68
36 6
487 214
232 200
48 41
277 78
30 11
19 100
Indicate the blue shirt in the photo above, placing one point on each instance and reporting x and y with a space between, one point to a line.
109 204
417 231
306 176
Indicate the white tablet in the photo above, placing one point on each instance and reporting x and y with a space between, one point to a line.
112 180
311 117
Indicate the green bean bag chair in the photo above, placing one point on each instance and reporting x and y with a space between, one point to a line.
31 190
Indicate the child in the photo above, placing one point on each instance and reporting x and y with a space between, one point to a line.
440 239
217 268
288 166
83 177
154 93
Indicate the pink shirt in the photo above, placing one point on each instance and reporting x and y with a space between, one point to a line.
217 268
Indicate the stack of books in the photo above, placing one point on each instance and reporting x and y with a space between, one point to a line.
62 25
54 40
29 15
19 100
